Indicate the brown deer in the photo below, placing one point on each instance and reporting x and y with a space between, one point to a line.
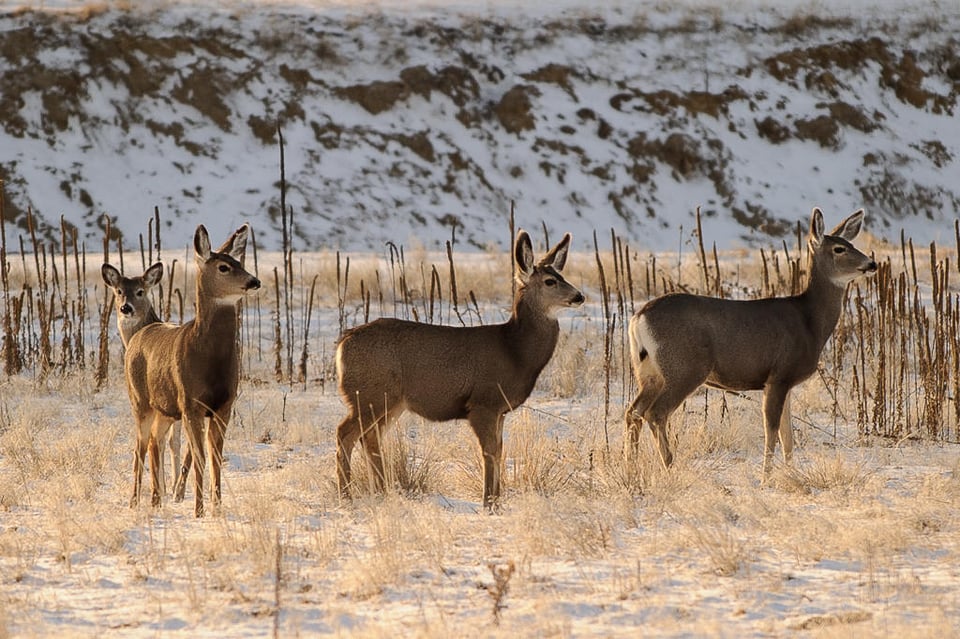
477 373
190 372
680 341
134 311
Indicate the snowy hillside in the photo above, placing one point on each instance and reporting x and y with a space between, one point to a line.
413 122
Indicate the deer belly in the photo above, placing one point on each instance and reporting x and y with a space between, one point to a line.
215 399
436 408
736 380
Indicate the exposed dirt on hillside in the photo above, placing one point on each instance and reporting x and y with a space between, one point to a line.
301 73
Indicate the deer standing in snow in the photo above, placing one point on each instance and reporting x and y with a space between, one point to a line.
134 311
477 373
680 341
191 372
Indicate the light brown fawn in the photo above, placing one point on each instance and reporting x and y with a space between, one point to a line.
190 372
134 311
477 373
680 341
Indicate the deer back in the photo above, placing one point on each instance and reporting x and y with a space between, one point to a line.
444 372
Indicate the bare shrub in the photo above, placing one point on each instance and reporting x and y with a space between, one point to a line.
388 551
572 526
410 461
723 545
536 460
825 472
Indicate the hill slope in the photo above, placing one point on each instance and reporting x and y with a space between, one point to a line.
415 124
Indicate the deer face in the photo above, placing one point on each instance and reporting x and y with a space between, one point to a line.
552 290
833 252
130 293
541 282
842 262
222 277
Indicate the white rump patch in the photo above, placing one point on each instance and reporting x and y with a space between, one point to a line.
641 339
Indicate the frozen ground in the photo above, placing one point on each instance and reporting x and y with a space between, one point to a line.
859 538
860 542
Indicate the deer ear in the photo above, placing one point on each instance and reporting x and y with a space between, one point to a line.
201 243
236 245
850 227
153 275
816 227
110 275
557 256
523 252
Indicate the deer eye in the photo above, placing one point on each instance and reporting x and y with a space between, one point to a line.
140 292
839 250
223 268
550 281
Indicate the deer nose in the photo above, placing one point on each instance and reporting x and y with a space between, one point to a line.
577 300
126 309
253 284
870 268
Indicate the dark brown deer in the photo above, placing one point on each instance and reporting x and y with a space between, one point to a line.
477 373
134 311
680 341
190 372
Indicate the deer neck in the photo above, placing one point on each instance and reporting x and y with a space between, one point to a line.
129 327
151 317
822 302
532 334
216 322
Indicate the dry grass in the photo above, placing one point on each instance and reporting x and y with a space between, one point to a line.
577 524
594 536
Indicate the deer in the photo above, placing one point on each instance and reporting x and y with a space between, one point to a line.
681 341
191 372
442 373
134 311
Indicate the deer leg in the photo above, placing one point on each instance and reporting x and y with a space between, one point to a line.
488 428
156 473
786 431
633 417
193 425
175 446
370 440
158 434
139 453
658 415
649 391
348 432
670 397
774 397
161 446
216 430
184 472
371 436
659 428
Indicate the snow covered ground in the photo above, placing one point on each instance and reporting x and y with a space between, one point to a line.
859 538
